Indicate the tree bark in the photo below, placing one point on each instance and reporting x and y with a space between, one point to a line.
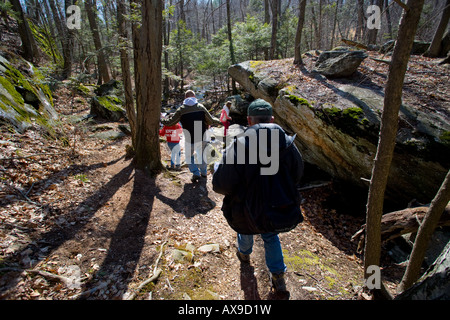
398 223
102 65
125 65
266 20
372 33
298 37
273 41
230 39
435 47
424 234
388 132
148 88
360 27
68 43
29 46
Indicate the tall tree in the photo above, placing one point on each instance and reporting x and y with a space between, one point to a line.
266 21
59 24
68 43
101 59
298 37
372 33
125 65
360 26
148 87
273 41
29 46
435 47
388 132
230 40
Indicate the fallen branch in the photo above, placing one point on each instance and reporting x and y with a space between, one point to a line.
401 222
156 273
381 60
55 277
354 44
314 186
403 5
85 294
67 281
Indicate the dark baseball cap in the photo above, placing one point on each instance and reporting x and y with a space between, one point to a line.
260 107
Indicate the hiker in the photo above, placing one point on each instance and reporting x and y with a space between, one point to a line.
225 118
195 120
173 136
258 201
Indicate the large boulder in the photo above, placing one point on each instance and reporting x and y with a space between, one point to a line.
339 63
341 137
25 99
108 102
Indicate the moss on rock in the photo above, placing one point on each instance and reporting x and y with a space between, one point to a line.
24 96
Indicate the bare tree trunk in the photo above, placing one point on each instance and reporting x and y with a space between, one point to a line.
372 33
316 29
360 23
334 24
435 48
166 40
266 20
230 39
424 234
125 64
102 65
62 35
29 47
298 37
273 41
388 132
388 19
68 44
148 88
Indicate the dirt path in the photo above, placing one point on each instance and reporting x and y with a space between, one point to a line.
105 227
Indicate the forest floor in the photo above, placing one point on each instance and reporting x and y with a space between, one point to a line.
82 222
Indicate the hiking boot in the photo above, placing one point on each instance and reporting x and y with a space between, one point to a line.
278 282
195 178
243 257
178 168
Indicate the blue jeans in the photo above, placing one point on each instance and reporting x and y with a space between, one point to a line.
272 248
175 157
197 164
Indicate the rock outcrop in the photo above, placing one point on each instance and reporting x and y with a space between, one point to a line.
341 137
339 63
108 101
24 97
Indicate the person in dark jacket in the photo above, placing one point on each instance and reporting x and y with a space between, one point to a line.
259 176
195 120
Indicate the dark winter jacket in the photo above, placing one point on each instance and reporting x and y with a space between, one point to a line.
191 116
257 203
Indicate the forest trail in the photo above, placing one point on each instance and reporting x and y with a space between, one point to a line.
99 222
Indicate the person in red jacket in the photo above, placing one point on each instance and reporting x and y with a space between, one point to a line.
225 117
173 135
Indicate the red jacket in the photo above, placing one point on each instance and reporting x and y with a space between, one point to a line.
172 133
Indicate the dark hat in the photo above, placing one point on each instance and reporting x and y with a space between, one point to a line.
260 107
